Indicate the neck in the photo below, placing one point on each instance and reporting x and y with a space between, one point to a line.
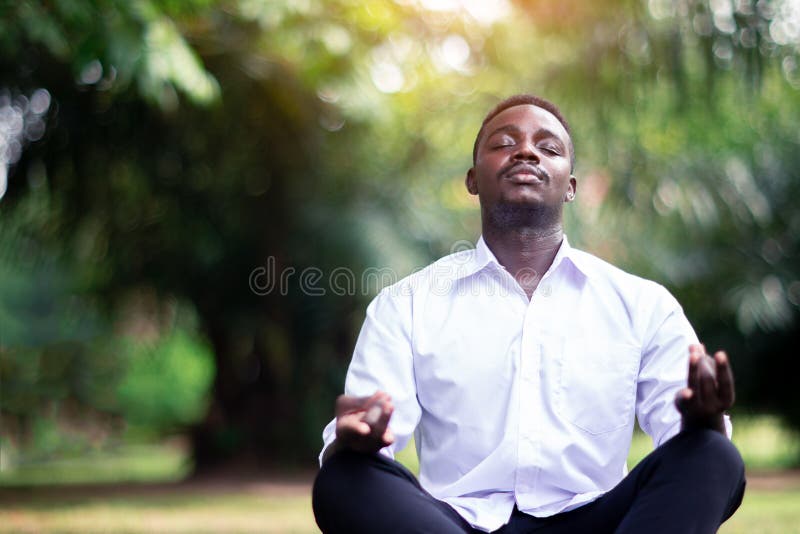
526 251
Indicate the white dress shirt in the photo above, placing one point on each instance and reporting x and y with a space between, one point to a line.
522 401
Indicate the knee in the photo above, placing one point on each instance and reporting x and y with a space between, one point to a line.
717 446
345 469
339 471
717 465
334 474
712 454
353 490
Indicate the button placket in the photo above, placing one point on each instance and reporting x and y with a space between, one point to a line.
530 424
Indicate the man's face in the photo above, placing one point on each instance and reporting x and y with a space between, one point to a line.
522 160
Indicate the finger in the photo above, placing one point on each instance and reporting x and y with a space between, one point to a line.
354 421
382 423
707 385
373 414
388 437
348 404
706 365
695 353
683 399
698 349
377 413
380 398
376 406
351 426
725 388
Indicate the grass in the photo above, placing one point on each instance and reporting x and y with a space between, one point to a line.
251 510
126 463
766 512
225 510
771 505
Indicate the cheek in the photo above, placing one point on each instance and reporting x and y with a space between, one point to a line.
489 164
561 168
485 176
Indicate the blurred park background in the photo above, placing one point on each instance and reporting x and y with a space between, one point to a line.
164 162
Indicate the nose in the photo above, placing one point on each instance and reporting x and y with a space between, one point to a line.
526 151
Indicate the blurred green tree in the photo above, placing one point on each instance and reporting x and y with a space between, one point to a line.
189 143
693 154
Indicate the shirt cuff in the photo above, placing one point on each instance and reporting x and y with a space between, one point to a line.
728 426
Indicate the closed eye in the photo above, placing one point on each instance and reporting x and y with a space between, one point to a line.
504 142
552 150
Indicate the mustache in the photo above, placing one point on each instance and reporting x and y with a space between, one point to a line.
518 166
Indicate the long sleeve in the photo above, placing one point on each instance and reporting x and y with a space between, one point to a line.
383 360
664 369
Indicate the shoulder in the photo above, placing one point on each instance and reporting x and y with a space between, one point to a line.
398 300
603 272
645 305
441 273
637 295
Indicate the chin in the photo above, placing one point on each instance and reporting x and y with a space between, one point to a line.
522 198
518 213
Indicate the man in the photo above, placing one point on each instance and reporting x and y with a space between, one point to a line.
520 367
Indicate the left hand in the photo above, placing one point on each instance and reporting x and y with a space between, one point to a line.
709 393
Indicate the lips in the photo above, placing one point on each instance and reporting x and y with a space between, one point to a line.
525 173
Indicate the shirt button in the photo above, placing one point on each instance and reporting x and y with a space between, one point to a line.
547 290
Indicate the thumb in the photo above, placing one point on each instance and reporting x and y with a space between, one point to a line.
347 404
388 437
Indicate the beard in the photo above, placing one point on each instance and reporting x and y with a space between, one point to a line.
529 218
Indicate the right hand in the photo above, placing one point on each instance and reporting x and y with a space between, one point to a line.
709 392
362 423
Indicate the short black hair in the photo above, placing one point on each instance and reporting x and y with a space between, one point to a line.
521 100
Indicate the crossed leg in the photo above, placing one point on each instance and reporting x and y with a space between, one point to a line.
690 484
370 493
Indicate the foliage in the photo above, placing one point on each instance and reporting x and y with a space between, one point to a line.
64 383
166 384
112 44
189 143
53 347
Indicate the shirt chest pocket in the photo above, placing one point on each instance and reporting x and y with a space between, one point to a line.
596 389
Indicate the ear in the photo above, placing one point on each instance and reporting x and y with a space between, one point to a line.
471 183
572 189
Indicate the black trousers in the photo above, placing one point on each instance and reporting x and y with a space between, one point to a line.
690 484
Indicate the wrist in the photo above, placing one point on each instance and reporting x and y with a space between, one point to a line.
716 422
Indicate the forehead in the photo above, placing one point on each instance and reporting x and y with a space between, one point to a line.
527 117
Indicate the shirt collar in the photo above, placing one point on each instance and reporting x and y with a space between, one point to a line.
484 257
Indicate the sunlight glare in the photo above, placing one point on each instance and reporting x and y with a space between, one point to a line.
387 76
482 11
455 52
